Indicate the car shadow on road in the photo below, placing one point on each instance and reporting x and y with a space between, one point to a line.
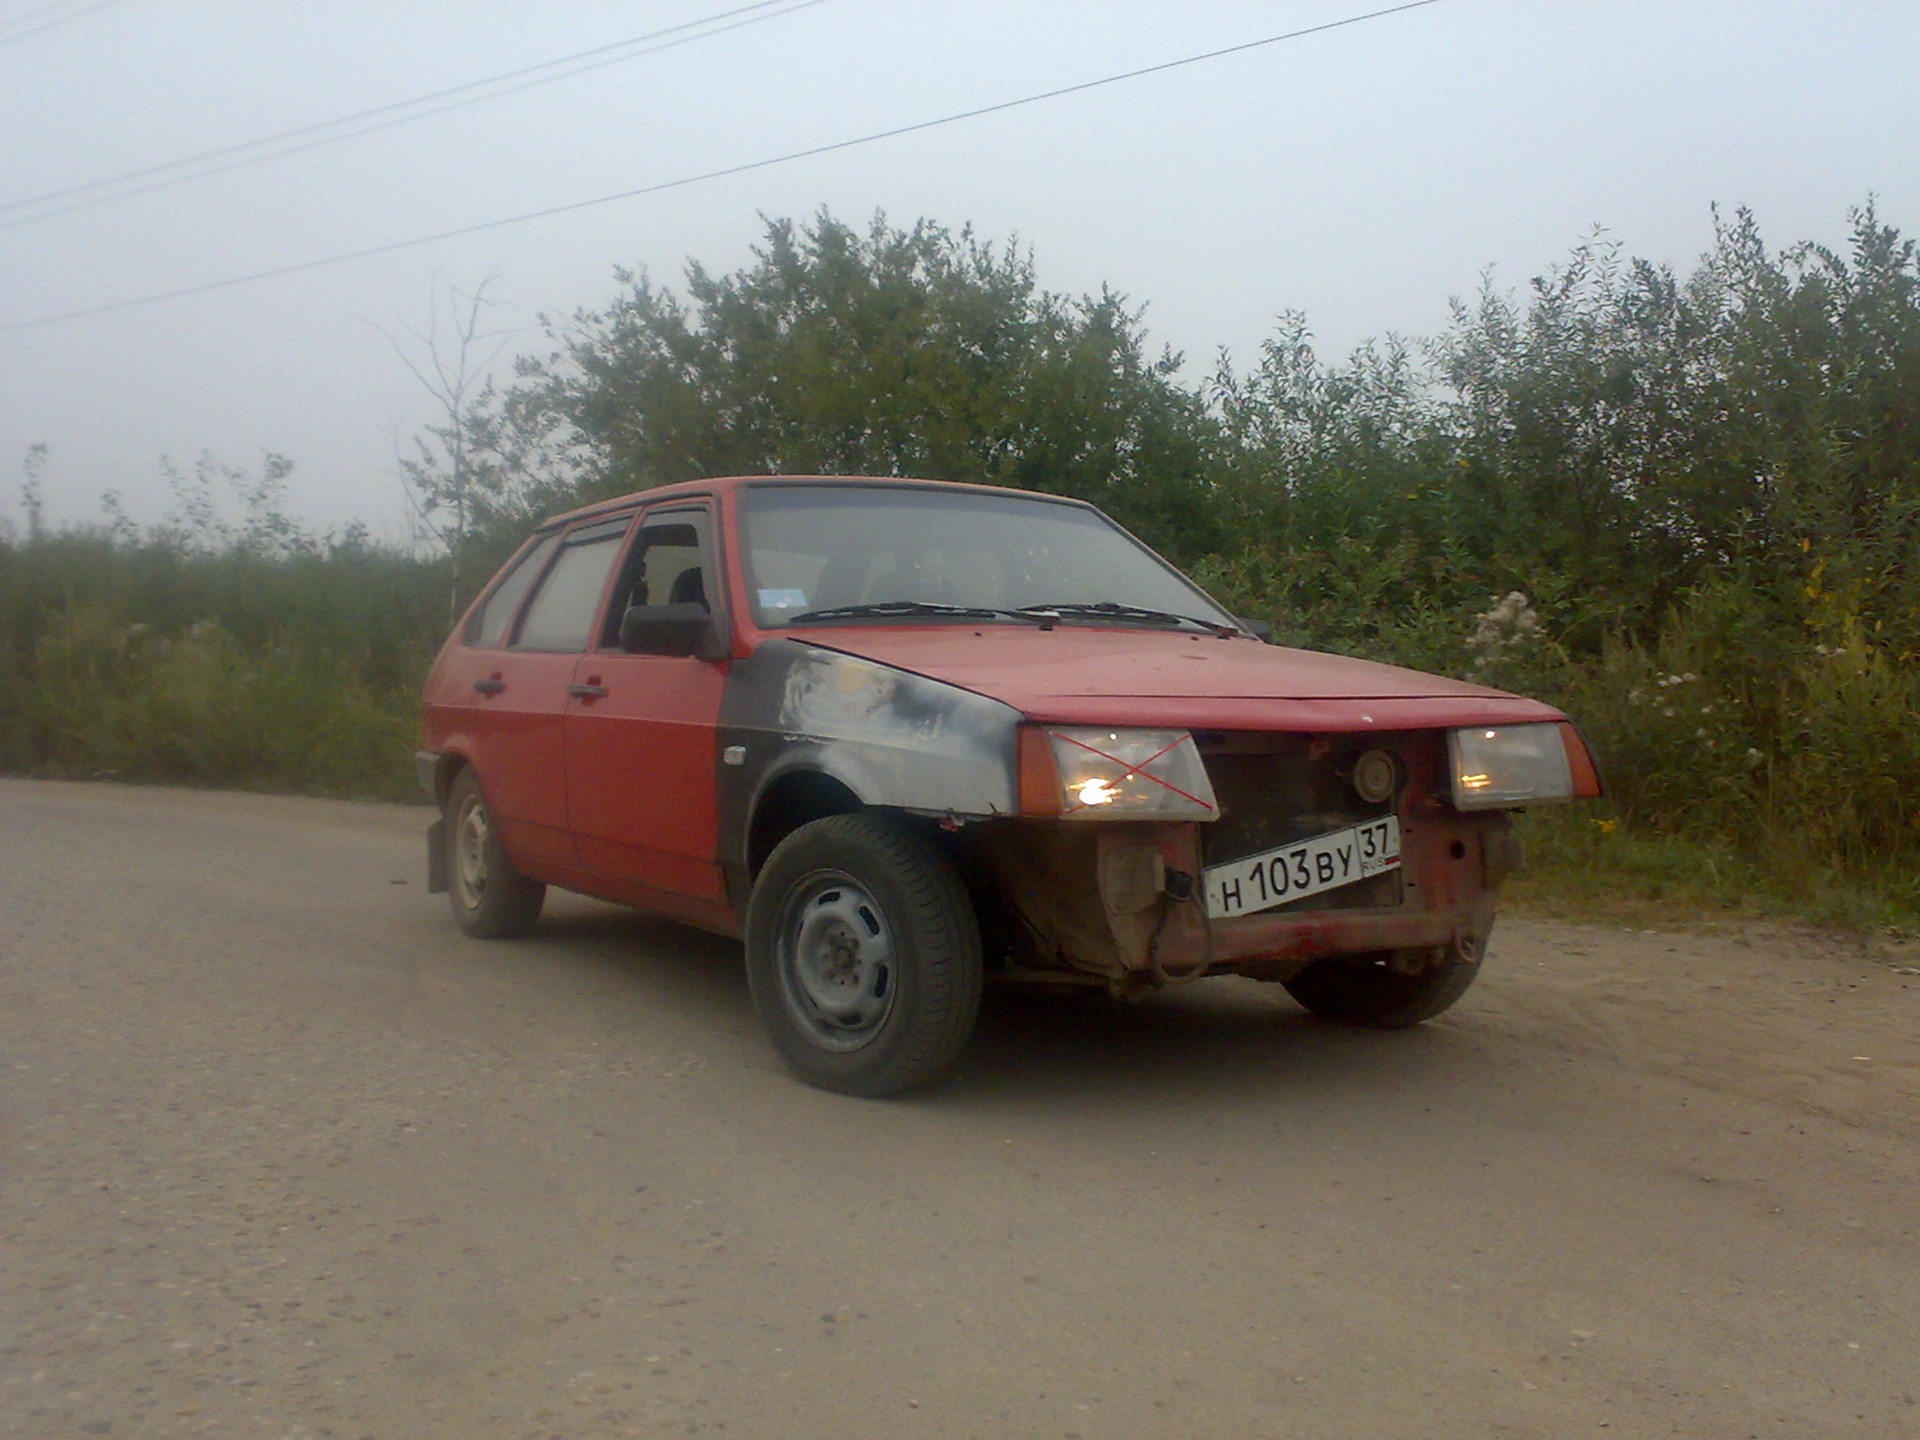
655 959
1217 1036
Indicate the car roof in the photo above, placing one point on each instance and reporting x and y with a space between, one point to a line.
720 483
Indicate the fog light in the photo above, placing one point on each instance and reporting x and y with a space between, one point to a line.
1373 776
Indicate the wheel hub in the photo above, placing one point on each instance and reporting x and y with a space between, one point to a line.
471 851
838 963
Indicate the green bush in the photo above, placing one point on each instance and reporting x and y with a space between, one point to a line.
114 698
153 659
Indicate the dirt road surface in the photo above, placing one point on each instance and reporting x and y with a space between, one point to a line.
285 1156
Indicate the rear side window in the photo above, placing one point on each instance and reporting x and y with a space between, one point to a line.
560 615
489 626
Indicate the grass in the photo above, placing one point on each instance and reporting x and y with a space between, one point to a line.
1583 864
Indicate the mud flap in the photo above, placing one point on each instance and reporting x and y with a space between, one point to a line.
437 857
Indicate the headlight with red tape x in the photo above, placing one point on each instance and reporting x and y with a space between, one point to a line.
1079 772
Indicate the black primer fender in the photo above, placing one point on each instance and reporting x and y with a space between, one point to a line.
891 737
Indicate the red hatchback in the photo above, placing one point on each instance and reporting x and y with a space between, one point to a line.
908 736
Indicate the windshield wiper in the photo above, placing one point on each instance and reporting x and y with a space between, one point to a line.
908 609
1114 610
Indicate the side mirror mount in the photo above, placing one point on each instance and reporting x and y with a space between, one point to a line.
1259 629
685 629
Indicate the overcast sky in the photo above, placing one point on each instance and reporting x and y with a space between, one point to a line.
1363 175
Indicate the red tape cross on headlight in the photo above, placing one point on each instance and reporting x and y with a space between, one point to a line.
1131 770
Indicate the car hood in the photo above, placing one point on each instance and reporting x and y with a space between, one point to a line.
1103 675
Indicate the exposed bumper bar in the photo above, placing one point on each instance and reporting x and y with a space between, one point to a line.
1253 941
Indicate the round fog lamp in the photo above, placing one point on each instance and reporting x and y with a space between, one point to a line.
1373 776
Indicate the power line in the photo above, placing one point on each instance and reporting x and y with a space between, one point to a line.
378 110
31 15
459 232
236 156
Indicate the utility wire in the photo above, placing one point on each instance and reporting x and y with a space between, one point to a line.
390 247
273 147
31 15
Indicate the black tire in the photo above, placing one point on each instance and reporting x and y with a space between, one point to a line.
863 956
491 900
1367 991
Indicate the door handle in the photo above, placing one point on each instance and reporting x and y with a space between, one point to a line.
587 692
490 687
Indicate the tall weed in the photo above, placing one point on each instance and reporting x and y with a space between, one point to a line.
118 699
160 658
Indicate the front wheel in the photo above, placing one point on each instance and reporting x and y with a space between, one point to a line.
863 956
1391 990
491 900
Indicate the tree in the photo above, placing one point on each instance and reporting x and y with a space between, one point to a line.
914 351
32 496
456 478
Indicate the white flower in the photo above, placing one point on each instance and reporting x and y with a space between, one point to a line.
1508 621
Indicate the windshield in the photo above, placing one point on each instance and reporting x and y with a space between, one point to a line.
919 555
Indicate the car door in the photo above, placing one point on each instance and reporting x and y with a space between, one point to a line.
519 737
458 699
642 729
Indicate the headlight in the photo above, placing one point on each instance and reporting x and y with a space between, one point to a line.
1101 774
1499 766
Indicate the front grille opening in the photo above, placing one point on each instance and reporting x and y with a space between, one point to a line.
1278 789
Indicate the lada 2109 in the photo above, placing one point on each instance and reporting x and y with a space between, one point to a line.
904 737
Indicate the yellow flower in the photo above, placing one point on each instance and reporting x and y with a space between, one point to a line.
1607 827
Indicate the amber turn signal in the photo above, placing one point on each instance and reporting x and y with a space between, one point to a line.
1040 792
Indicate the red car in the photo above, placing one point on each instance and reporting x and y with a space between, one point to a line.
908 736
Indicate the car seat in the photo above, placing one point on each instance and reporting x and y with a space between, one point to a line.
689 588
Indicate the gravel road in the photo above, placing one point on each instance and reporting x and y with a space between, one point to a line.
285 1156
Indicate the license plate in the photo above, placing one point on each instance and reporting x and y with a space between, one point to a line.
1303 868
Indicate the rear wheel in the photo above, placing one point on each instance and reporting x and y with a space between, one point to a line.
1391 990
863 955
491 900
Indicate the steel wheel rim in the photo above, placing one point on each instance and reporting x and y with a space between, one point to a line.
839 967
470 838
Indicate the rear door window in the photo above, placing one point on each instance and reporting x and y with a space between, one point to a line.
490 622
560 615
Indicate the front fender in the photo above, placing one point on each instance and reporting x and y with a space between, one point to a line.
892 738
